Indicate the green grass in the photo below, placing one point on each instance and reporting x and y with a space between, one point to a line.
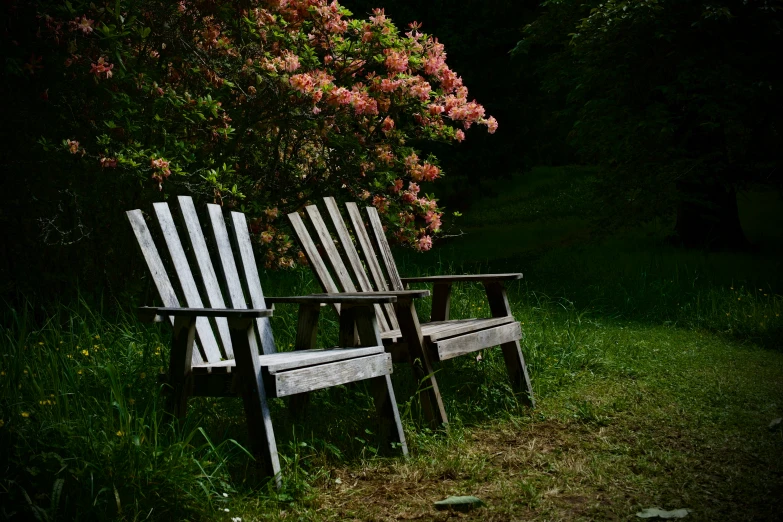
657 373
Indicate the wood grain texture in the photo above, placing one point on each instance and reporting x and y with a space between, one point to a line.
354 260
461 278
248 264
180 360
441 301
327 243
390 430
208 276
332 374
469 343
283 361
512 352
358 298
312 255
156 267
365 243
227 263
429 394
259 420
307 326
444 329
207 312
383 245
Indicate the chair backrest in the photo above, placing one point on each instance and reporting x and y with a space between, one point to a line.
366 273
199 284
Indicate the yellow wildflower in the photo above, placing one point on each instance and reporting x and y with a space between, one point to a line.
25 414
85 353
120 433
2 423
40 344
2 373
97 337
131 401
78 372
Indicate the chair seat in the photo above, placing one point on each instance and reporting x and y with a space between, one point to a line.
438 330
284 361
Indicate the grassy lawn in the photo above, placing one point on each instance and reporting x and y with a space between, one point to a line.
657 373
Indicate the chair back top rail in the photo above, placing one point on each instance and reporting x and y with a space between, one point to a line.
211 281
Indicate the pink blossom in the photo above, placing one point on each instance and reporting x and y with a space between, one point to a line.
459 135
364 194
435 109
395 61
429 172
381 203
102 67
378 18
388 85
84 24
266 237
291 61
421 90
492 124
396 186
73 146
413 187
408 197
339 96
108 162
302 83
433 218
424 243
388 124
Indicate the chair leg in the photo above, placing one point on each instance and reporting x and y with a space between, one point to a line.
512 353
180 362
390 426
259 421
429 394
364 321
306 334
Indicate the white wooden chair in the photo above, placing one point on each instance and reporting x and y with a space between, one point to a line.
349 273
215 348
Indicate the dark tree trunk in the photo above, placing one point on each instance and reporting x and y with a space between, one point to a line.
708 217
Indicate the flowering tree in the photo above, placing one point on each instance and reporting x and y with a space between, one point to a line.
262 105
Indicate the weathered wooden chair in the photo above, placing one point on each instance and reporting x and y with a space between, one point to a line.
406 339
215 349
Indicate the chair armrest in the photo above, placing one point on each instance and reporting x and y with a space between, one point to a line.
467 277
339 298
158 314
398 295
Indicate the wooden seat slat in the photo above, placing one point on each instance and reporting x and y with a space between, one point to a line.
283 361
443 329
208 275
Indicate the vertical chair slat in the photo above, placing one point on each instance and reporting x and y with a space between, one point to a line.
319 267
331 252
353 257
208 275
186 281
230 273
155 264
383 245
249 268
369 255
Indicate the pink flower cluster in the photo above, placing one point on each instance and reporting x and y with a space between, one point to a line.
102 67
